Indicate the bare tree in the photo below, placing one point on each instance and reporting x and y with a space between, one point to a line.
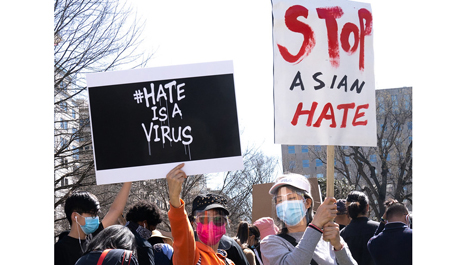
237 185
89 36
384 171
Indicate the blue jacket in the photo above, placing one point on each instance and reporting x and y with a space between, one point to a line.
392 246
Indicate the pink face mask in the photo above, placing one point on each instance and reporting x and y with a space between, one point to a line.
210 234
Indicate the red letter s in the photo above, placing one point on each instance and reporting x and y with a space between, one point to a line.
295 25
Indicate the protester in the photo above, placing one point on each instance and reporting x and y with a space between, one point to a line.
142 218
318 238
81 209
242 236
342 217
209 216
162 248
393 246
158 238
261 228
360 229
116 244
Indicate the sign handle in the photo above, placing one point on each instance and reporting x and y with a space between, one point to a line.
330 170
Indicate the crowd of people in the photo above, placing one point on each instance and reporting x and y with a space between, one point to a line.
338 232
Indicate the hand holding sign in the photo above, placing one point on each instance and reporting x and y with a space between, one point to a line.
326 212
331 233
175 179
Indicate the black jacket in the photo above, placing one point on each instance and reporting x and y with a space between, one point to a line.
356 234
145 254
392 246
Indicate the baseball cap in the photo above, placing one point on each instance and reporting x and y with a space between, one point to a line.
208 202
295 180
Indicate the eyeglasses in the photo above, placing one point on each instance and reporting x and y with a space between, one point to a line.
217 220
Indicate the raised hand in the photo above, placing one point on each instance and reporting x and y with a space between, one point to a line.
326 212
175 179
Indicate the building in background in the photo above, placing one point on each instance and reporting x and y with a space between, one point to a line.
66 151
384 171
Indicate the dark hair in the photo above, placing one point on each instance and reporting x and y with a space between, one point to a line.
394 209
357 202
81 202
254 231
144 210
243 231
115 237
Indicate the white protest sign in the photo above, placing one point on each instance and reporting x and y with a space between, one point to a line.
146 121
324 91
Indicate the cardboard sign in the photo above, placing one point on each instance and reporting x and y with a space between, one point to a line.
262 201
146 121
324 91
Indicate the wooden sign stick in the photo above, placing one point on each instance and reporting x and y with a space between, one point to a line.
330 170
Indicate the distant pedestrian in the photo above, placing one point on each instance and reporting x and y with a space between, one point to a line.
261 228
242 235
357 233
162 248
393 246
113 245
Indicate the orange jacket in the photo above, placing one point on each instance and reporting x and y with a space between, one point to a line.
187 251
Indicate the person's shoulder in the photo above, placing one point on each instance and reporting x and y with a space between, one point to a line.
65 242
372 240
271 239
372 222
407 230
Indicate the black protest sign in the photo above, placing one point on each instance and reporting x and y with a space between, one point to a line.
186 118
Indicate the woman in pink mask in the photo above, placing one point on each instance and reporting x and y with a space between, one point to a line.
209 217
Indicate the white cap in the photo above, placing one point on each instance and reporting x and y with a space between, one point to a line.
295 180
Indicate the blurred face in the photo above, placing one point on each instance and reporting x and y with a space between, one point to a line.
291 206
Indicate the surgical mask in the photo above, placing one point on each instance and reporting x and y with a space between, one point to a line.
291 212
91 224
144 232
210 234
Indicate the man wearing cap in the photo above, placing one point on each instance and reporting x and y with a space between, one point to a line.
209 215
305 238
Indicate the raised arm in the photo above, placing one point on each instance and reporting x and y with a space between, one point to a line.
184 245
117 207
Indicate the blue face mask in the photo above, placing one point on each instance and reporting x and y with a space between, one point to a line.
91 225
291 212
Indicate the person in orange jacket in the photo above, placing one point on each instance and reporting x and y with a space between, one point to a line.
209 215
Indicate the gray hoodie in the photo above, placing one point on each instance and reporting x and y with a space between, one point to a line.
276 250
